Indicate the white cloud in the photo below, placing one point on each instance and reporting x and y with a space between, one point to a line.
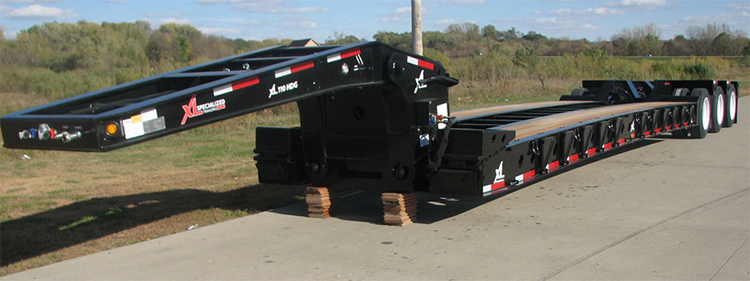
28 1
39 12
459 2
601 11
161 21
219 30
217 1
302 24
589 26
462 2
588 13
643 3
399 15
447 22
562 11
4 9
403 10
545 20
276 7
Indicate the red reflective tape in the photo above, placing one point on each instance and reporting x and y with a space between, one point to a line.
573 157
302 66
554 165
350 53
667 128
591 151
621 141
418 62
427 65
607 145
498 185
646 133
245 83
657 130
528 174
685 124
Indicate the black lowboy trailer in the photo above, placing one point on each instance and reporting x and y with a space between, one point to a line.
374 117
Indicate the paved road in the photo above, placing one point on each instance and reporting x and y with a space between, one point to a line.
671 209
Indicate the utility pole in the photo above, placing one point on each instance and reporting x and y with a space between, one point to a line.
416 26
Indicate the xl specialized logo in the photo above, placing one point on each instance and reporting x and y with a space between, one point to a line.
193 109
283 88
499 173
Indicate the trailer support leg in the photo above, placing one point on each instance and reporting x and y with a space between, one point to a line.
399 208
322 202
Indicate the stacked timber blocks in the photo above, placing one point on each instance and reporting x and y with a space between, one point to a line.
322 202
399 208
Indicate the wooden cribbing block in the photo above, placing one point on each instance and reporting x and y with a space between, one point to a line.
322 202
399 208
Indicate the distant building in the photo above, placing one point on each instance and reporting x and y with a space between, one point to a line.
304 43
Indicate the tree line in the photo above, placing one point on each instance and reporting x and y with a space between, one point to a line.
63 59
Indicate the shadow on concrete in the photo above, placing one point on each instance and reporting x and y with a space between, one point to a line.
84 221
366 206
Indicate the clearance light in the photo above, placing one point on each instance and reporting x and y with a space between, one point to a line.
112 129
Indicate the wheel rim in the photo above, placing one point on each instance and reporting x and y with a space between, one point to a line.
732 105
720 110
705 118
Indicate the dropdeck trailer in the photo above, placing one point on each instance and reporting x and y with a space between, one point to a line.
374 117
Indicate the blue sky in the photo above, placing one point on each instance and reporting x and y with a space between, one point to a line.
295 19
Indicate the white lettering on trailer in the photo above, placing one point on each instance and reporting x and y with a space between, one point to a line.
281 89
193 109
499 176
420 85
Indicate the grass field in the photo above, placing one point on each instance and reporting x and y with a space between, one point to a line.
60 205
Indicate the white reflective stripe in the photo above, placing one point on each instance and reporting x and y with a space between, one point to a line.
412 60
519 178
334 57
283 72
218 91
486 188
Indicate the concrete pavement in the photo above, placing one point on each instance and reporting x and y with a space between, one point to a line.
670 209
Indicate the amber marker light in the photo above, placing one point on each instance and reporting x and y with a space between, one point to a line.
112 129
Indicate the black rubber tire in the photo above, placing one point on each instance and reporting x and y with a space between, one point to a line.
703 108
681 92
731 106
717 110
579 92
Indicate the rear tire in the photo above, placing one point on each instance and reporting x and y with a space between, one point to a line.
718 102
730 116
702 115
579 92
681 92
